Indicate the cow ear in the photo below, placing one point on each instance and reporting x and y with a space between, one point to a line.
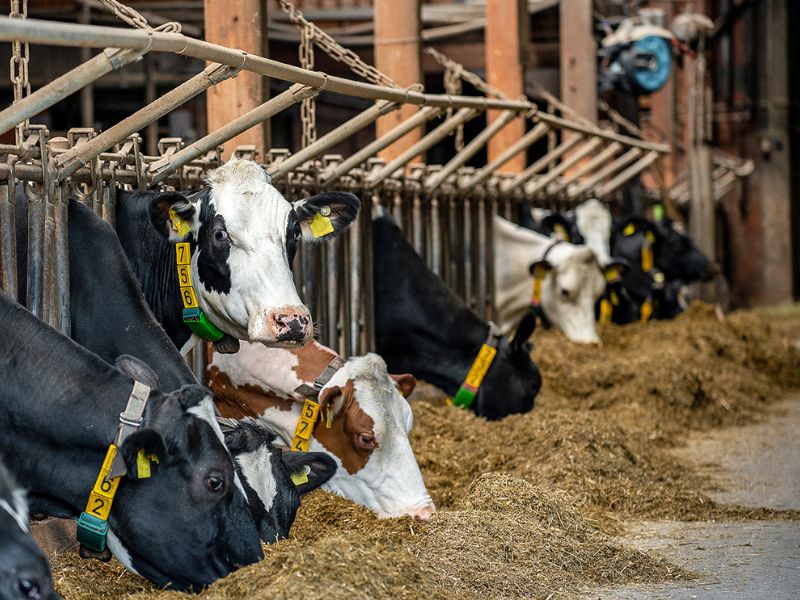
174 216
326 215
540 266
309 470
140 450
405 382
191 395
558 225
525 329
138 370
616 269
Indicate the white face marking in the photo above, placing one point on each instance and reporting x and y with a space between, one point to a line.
575 270
119 551
256 216
257 469
594 222
205 410
19 510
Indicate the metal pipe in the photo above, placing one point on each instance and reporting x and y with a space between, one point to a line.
65 85
590 165
61 263
332 138
434 137
469 150
636 168
162 168
8 239
74 159
611 168
601 133
541 164
530 138
565 164
36 31
424 114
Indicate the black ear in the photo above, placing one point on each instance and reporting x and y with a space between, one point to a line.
616 269
138 370
326 215
558 224
246 437
173 215
318 467
525 329
191 395
152 445
540 265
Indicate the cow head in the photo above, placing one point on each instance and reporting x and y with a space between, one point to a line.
513 379
678 257
368 437
189 523
560 227
593 221
267 472
244 235
24 572
570 289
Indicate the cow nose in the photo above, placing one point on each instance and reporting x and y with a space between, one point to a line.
290 324
712 271
423 514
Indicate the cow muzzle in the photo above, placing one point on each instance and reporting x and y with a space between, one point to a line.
282 326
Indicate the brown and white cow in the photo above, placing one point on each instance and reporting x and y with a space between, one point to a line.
367 433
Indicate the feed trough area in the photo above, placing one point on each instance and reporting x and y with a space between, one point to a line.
399 299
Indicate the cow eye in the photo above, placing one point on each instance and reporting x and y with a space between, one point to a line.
221 235
215 484
366 441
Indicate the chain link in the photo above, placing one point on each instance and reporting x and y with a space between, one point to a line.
308 112
453 87
136 19
18 66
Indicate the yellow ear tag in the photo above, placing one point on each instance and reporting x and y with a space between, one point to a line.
143 461
629 230
612 274
321 224
301 477
328 418
179 226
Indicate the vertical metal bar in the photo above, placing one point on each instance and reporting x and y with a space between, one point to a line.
491 211
49 307
199 361
436 237
8 238
332 289
61 266
416 220
480 260
466 233
36 213
368 316
357 275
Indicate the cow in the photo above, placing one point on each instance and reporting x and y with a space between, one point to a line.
243 235
185 525
24 572
101 285
367 434
570 281
422 327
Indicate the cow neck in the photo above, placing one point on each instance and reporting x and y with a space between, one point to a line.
421 325
465 396
647 265
153 260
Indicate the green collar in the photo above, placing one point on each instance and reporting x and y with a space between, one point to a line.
465 396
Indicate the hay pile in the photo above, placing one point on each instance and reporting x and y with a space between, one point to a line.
527 503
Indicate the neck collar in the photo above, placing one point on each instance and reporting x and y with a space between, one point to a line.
311 407
193 316
465 396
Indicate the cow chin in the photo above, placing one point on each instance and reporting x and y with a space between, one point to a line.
579 326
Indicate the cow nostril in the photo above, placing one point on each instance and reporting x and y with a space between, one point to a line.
29 588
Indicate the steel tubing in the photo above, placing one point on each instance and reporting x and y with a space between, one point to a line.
601 133
565 164
542 163
619 163
636 168
8 239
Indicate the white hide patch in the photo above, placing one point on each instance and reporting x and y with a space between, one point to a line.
19 510
257 469
271 369
594 223
120 552
204 410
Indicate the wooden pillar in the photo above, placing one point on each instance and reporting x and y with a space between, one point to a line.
662 103
578 57
398 54
506 49
238 24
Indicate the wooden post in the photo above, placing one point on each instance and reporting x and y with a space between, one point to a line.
238 24
578 57
506 48
398 54
662 104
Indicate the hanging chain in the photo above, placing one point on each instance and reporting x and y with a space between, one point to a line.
19 66
137 20
453 87
335 50
308 112
471 78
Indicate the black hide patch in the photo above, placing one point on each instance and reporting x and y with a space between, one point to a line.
293 233
214 248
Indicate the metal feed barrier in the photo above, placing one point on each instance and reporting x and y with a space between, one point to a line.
445 210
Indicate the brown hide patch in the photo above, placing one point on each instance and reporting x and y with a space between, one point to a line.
239 401
348 422
311 360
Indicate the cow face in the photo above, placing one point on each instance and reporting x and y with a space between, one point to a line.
266 474
189 523
677 256
24 572
368 437
572 286
244 236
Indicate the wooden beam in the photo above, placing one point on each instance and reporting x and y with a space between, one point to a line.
398 54
578 57
238 24
506 47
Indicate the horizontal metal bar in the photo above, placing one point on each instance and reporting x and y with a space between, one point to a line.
601 157
162 168
619 163
565 164
424 114
530 138
49 33
542 163
332 138
434 181
601 133
632 171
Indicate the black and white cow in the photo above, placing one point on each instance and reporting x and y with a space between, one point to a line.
185 526
24 572
243 235
102 285
423 328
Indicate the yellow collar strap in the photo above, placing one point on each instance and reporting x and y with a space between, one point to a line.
92 529
310 413
194 318
646 257
465 396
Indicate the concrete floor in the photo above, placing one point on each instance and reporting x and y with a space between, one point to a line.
757 465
